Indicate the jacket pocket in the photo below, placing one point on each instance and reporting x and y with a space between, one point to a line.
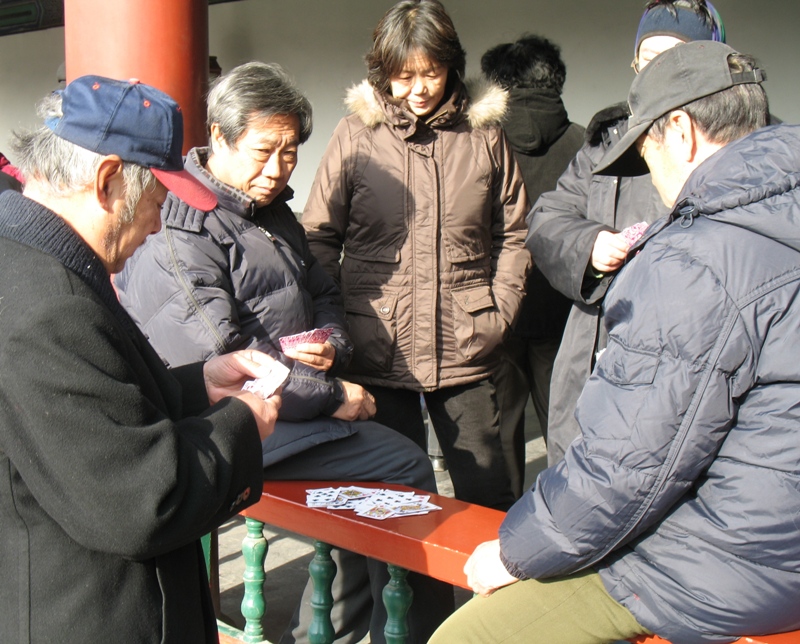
627 367
373 330
478 326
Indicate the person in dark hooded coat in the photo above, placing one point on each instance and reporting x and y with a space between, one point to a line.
574 234
544 141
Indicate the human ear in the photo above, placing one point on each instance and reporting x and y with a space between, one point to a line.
109 184
217 140
684 138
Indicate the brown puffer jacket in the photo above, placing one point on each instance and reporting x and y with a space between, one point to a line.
430 216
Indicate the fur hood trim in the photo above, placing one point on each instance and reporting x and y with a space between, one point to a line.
487 107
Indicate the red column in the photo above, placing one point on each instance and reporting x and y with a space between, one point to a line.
163 43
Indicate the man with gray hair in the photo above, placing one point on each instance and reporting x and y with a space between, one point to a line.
111 466
675 512
241 275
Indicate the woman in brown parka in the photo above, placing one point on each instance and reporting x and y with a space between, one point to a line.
419 195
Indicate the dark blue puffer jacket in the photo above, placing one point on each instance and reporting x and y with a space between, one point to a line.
684 490
237 277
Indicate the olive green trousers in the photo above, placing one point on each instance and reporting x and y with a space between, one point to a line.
568 610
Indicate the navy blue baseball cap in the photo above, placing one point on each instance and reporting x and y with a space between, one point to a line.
138 123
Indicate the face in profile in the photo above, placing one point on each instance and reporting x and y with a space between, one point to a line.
421 83
123 238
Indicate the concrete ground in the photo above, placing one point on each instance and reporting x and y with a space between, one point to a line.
288 555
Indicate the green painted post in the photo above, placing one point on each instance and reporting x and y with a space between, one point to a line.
322 570
397 597
254 551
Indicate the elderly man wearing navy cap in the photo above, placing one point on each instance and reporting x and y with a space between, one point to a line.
675 512
111 466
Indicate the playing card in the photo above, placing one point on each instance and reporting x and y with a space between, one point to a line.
634 232
391 497
268 384
321 497
315 336
368 502
379 512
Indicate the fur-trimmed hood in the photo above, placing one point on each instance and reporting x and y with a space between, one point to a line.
486 104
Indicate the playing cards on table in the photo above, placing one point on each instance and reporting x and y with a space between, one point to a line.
370 502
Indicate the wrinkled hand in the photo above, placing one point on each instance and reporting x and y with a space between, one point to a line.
358 403
485 571
264 411
319 356
609 251
224 376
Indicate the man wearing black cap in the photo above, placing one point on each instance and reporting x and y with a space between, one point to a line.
675 512
111 466
578 235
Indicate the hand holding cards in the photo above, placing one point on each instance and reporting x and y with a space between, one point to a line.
631 234
370 502
268 384
315 336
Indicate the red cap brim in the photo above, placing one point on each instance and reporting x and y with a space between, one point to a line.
187 188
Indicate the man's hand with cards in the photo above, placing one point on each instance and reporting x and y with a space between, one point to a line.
315 336
370 502
631 234
311 348
268 384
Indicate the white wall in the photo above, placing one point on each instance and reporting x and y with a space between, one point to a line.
322 43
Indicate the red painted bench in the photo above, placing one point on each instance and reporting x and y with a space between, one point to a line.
780 638
437 544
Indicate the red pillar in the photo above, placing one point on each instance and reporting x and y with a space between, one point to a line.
163 43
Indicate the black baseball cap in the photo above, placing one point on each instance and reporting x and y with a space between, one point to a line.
674 78
138 123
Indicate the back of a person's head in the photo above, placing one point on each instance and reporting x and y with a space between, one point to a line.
409 28
728 115
532 62
59 166
255 90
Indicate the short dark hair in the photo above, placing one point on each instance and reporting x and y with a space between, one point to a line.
255 90
532 62
413 26
728 115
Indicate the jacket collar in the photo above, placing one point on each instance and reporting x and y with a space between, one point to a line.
536 119
178 214
752 183
230 198
28 222
481 103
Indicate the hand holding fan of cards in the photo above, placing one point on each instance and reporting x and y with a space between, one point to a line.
370 502
311 348
267 385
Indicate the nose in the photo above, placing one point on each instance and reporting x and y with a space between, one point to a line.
419 88
273 168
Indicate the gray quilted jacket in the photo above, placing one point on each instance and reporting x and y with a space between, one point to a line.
684 489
